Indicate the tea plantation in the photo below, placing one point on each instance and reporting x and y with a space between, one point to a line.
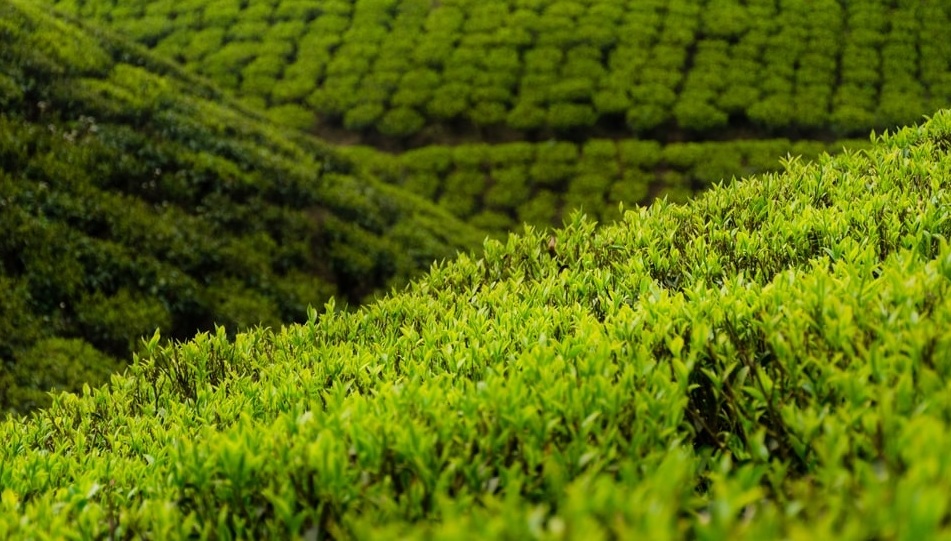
133 196
770 360
499 187
767 358
404 75
399 68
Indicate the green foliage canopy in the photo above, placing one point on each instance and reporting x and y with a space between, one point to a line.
135 196
692 371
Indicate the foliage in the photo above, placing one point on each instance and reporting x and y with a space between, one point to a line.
768 361
135 196
543 183
828 67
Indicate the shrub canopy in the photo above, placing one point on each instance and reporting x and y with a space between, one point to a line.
770 360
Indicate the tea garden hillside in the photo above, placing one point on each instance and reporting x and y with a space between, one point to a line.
765 358
137 197
769 361
725 87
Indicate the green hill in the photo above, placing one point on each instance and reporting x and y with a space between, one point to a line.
770 360
510 69
134 196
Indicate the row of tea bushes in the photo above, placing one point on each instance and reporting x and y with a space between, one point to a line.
770 361
499 187
397 68
130 200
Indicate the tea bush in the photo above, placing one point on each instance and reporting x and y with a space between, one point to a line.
768 361
136 196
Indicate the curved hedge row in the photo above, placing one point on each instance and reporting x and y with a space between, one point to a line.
401 67
770 361
129 200
500 187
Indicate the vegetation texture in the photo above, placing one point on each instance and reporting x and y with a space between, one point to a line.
499 187
403 68
771 360
520 111
133 196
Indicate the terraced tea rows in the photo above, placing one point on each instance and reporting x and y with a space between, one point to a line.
482 70
500 187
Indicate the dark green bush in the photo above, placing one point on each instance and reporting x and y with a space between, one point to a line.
435 159
526 117
773 112
426 185
518 152
510 188
543 59
639 154
114 323
490 220
465 182
363 116
471 157
698 114
292 89
203 43
570 90
53 365
542 209
555 163
611 101
632 189
292 115
449 101
241 306
10 91
566 116
590 188
600 157
487 113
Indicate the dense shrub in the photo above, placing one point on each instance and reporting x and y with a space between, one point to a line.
526 117
449 101
510 188
292 115
540 210
53 365
113 323
363 116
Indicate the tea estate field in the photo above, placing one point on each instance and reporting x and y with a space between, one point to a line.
725 87
134 196
768 361
485 71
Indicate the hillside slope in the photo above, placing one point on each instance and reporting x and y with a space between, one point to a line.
491 108
135 196
426 72
500 187
771 360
